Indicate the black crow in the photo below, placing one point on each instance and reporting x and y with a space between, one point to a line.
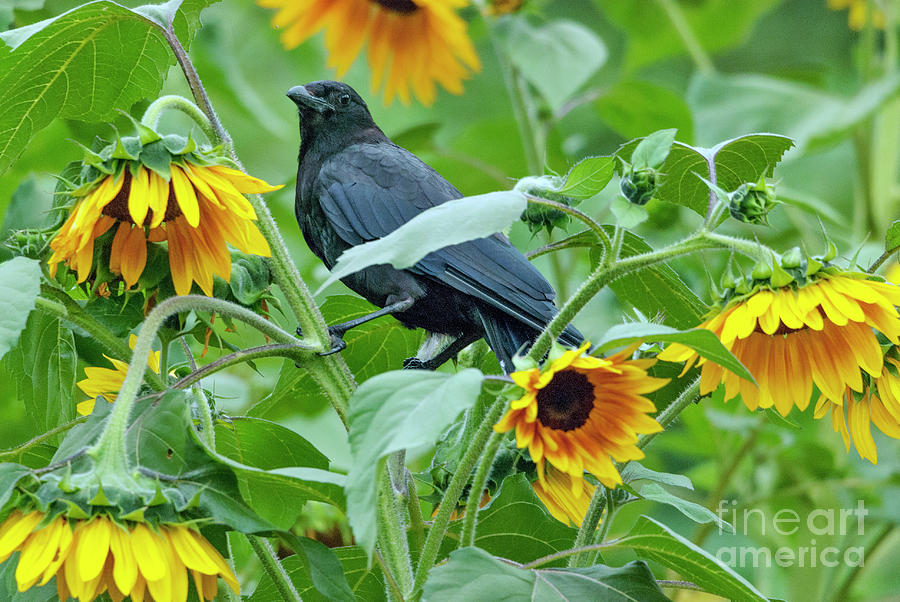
354 185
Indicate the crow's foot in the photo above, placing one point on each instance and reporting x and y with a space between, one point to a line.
414 363
337 341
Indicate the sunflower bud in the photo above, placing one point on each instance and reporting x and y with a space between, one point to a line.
639 185
751 203
539 216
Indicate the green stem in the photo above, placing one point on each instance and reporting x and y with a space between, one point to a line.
414 507
615 247
588 527
454 491
207 421
684 31
668 415
16 452
66 308
392 534
473 504
177 103
587 219
273 567
843 591
244 355
884 257
392 588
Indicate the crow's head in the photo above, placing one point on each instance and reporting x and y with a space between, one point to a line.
328 105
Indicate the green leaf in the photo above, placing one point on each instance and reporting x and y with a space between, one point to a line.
632 108
473 574
556 58
10 475
657 290
635 471
588 177
325 571
120 314
653 150
892 237
394 411
723 103
695 512
628 215
294 392
654 541
516 524
703 341
46 361
119 55
263 444
449 223
20 283
366 584
736 161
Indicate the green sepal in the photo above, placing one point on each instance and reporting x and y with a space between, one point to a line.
780 277
127 148
75 511
813 266
831 250
100 498
136 515
94 159
145 134
157 157
792 258
762 270
179 145
159 497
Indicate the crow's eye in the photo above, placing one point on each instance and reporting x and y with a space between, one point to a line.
344 99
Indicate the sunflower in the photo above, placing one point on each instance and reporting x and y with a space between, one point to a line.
893 273
196 206
878 404
859 13
412 43
793 336
555 493
583 412
106 382
89 557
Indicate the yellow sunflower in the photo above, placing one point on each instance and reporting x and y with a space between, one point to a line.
893 273
199 210
106 382
412 43
878 404
793 336
583 412
554 492
859 13
89 557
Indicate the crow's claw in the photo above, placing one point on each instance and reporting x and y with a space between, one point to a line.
299 332
337 342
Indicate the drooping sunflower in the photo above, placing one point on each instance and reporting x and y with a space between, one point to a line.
182 195
878 404
106 382
858 14
817 331
412 43
556 495
582 413
97 555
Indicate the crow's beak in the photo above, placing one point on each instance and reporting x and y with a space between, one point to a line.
301 96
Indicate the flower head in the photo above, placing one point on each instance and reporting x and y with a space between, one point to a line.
583 412
97 555
412 43
556 494
878 404
106 382
154 189
815 329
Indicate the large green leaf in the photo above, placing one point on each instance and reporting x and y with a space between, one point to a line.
83 64
46 362
10 475
20 283
735 162
516 525
556 58
654 541
449 223
366 583
473 574
395 411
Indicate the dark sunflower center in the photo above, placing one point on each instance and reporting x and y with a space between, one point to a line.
566 402
399 6
118 207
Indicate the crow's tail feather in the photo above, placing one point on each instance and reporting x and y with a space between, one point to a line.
507 336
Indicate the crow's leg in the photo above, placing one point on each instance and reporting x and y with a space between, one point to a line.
432 363
338 330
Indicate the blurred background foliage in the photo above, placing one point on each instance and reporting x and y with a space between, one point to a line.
790 67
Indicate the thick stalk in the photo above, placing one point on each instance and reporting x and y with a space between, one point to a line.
272 565
588 527
392 535
178 103
454 490
473 504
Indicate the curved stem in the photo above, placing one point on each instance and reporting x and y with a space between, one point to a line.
14 452
579 215
273 567
244 355
470 520
454 490
880 261
178 103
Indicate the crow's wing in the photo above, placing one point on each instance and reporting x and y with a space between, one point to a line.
369 190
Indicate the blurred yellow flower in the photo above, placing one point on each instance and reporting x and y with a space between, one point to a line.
106 382
412 43
90 557
859 13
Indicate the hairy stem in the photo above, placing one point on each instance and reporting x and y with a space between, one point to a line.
15 452
272 565
392 534
178 103
588 527
668 416
473 504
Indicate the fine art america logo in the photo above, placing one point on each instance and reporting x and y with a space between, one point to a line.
786 522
